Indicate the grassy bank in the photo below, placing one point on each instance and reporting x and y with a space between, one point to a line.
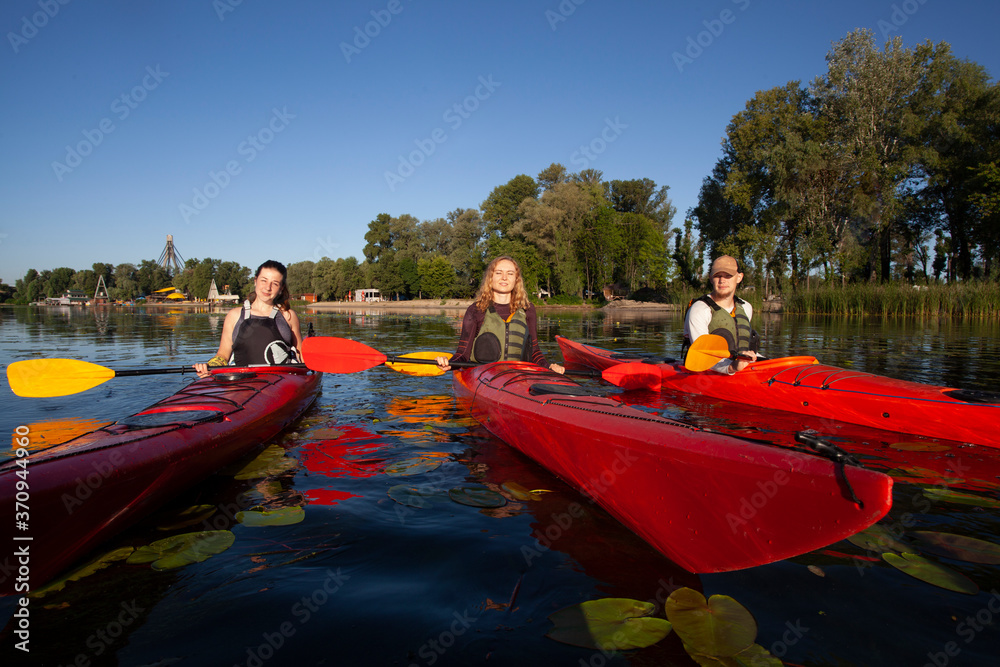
975 299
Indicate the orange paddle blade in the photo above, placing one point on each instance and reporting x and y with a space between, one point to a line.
42 378
421 368
705 352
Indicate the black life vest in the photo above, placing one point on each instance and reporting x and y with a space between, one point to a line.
259 340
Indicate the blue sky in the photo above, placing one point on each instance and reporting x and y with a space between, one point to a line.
252 130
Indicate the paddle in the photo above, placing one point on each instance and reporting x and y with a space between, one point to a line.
342 355
44 378
706 351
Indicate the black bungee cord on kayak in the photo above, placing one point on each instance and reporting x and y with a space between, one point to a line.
839 457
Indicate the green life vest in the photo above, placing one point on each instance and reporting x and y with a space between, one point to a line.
499 339
735 327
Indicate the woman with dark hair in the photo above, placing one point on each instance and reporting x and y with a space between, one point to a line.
501 324
265 331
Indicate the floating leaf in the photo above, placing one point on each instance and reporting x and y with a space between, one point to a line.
817 570
877 538
933 573
518 492
475 495
85 570
283 516
920 446
325 434
413 466
935 493
271 461
755 656
959 547
720 626
180 550
417 496
358 412
608 624
187 517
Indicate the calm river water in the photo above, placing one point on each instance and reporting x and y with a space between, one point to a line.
364 581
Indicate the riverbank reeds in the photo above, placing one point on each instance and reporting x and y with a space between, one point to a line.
973 299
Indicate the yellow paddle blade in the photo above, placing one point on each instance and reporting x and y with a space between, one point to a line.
421 369
41 378
705 352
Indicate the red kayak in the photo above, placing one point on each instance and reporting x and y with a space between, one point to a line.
80 493
707 501
804 386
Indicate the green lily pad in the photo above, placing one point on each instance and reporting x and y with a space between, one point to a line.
935 493
877 538
933 573
959 547
417 496
271 461
187 517
85 570
519 492
608 624
413 466
755 656
283 516
919 446
180 550
719 627
475 495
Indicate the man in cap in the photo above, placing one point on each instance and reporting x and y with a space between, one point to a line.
724 314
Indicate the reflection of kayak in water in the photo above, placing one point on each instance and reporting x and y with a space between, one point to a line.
709 502
804 386
92 487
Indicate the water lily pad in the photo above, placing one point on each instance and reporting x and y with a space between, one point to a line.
271 461
920 446
85 570
608 624
959 547
180 550
755 656
475 495
360 411
950 496
417 496
877 538
325 434
933 573
283 516
413 466
187 517
719 626
519 492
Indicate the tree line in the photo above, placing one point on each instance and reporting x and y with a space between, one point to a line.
851 178
848 180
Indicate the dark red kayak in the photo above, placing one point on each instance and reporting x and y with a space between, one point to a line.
805 386
80 493
707 501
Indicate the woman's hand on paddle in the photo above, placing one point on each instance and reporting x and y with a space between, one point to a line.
201 370
444 363
557 368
